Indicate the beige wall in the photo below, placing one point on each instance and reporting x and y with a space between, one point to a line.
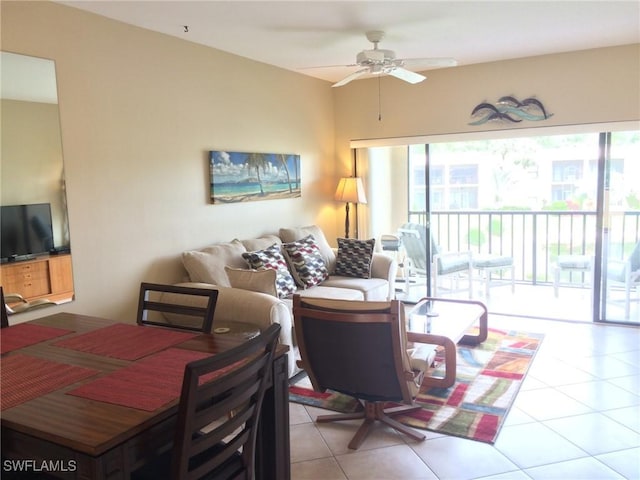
585 87
139 112
578 88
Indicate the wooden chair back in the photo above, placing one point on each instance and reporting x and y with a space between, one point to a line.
218 419
175 306
4 317
356 348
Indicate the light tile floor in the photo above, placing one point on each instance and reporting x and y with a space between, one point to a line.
577 417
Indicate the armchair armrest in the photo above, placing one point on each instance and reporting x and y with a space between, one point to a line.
383 266
449 358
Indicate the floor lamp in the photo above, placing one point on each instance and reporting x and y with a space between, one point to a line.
350 190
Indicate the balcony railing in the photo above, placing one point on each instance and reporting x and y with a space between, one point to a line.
533 238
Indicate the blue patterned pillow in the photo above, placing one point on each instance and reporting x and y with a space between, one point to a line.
306 260
354 257
273 259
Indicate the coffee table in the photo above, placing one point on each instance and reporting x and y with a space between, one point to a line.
449 317
447 322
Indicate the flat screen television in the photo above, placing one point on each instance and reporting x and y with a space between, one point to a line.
26 230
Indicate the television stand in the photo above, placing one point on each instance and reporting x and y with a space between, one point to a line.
21 258
44 276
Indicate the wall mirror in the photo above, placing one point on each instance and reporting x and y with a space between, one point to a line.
35 241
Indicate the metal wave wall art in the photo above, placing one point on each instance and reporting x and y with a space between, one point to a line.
510 109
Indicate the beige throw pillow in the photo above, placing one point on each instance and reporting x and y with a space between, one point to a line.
260 243
207 265
263 281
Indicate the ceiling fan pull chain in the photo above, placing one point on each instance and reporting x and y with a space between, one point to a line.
379 102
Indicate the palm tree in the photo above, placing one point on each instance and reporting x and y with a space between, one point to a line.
283 160
257 160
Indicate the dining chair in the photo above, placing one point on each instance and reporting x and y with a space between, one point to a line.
218 417
176 306
4 317
453 265
362 349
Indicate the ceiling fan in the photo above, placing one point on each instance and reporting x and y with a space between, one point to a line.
378 61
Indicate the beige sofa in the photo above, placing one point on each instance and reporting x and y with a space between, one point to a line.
248 295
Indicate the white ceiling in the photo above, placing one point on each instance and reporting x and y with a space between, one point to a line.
296 35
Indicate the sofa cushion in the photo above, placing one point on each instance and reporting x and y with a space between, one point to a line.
262 281
306 261
371 289
273 259
207 264
320 291
354 257
292 234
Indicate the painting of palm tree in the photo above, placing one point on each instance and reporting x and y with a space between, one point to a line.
244 177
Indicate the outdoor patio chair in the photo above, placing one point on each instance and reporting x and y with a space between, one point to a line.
487 264
455 265
582 264
360 348
625 273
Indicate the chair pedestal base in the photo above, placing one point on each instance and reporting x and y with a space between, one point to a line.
375 411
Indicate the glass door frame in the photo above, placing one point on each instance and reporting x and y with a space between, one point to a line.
599 309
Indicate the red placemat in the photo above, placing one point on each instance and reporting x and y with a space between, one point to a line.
25 378
124 341
147 384
25 334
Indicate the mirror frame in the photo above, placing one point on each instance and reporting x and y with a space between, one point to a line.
32 169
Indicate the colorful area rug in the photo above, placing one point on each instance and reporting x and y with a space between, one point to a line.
488 378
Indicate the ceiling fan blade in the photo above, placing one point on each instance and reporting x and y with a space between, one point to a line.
351 77
430 62
406 75
329 66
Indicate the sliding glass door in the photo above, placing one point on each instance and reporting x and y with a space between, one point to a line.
564 208
620 265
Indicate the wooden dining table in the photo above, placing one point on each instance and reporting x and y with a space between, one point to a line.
68 435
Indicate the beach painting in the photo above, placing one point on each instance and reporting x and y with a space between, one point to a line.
246 177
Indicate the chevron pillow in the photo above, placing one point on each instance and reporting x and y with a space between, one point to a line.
306 261
354 257
273 259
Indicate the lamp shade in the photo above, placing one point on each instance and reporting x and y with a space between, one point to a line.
350 190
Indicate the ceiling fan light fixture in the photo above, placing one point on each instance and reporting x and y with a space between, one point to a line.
379 61
370 57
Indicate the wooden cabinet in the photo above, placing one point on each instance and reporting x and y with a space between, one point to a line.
43 277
